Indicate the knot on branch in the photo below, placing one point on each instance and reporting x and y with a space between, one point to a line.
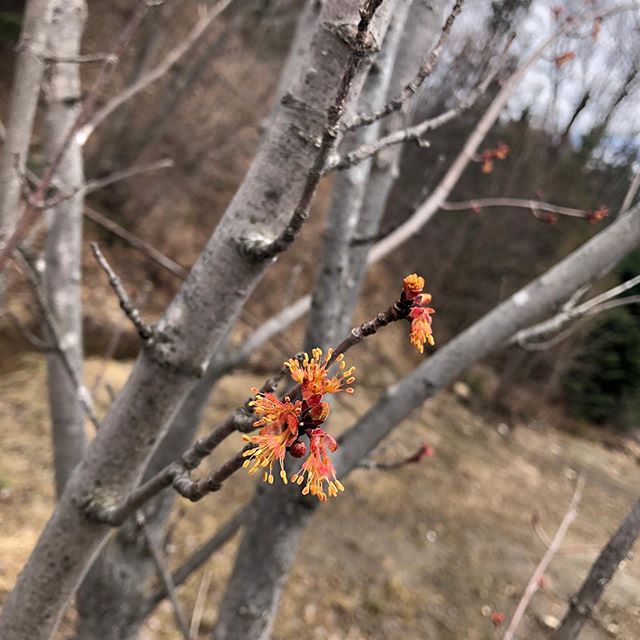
361 43
97 506
258 248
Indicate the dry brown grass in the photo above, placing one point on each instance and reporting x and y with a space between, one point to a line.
370 565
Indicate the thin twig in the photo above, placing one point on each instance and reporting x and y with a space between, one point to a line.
35 341
631 193
129 172
534 582
423 451
199 604
144 330
416 132
165 576
426 69
135 241
544 538
79 59
200 556
154 74
115 339
598 304
515 203
84 397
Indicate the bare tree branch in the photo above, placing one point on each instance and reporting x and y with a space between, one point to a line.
84 397
135 241
516 203
25 90
144 330
631 193
360 43
572 311
199 557
129 172
415 133
63 246
155 73
31 211
534 582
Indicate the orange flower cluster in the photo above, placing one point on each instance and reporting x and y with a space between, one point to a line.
419 313
489 155
283 423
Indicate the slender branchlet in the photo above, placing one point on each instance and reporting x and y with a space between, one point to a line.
32 210
144 330
410 89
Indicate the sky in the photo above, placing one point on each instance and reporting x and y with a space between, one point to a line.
601 65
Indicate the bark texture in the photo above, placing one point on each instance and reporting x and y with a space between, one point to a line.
115 597
602 571
22 109
187 336
64 239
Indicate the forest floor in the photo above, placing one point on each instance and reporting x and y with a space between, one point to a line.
424 552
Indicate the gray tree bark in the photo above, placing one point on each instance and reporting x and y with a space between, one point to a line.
63 248
421 27
22 109
421 31
114 598
186 337
247 608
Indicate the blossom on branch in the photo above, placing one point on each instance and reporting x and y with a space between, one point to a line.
318 468
419 313
283 423
600 213
279 421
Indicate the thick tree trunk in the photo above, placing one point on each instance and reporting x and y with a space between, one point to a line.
189 333
63 249
602 571
257 578
114 599
22 109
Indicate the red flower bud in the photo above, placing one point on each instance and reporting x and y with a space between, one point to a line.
298 449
